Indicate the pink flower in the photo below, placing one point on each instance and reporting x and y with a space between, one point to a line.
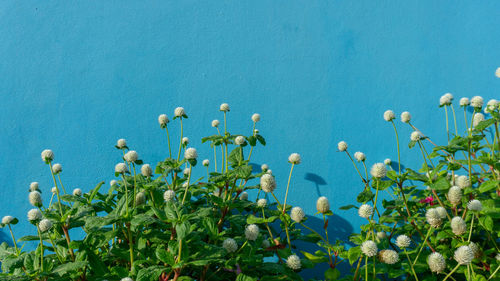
429 200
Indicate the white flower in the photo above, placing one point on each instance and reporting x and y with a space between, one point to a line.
121 168
293 262
458 226
297 214
239 140
436 262
378 170
455 195
497 257
140 198
497 72
491 106
433 218
113 183
322 205
47 155
131 156
441 212
415 136
256 117
403 241
7 219
146 170
224 107
35 198
169 195
34 186
185 184
230 245
267 183
121 143
206 162
264 167
256 131
34 215
191 153
475 205
163 119
215 123
462 181
389 256
365 211
342 146
464 102
269 171
56 168
360 156
405 117
477 102
127 279
45 225
262 203
381 235
478 117
294 158
464 255
266 244
186 172
53 190
369 248
446 99
185 140
389 115
77 192
244 196
475 249
179 112
252 232
387 161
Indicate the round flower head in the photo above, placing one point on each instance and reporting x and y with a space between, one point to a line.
433 218
77 192
56 168
256 117
359 156
369 248
185 184
121 143
462 182
389 256
297 214
262 203
252 232
403 241
256 131
121 168
446 99
478 117
322 205
230 245
45 225
35 198
127 279
497 72
477 102
293 262
224 107
163 120
140 198
169 195
436 262
266 244
269 171
441 212
47 155
381 235
239 140
365 211
405 117
464 102
7 219
415 136
113 183
267 183
475 249
475 205
53 190
146 170
455 195
215 123
179 112
34 215
244 196
342 146
389 115
131 156
388 161
294 158
264 167
491 105
186 171
464 255
34 186
206 162
378 170
458 226
185 140
190 153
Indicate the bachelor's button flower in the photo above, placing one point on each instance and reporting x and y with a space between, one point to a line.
389 256
34 215
477 102
56 168
215 123
478 118
34 186
121 168
45 225
415 136
179 112
140 198
169 195
239 140
436 262
230 245
262 202
131 156
359 156
462 182
77 192
464 102
163 120
403 241
475 205
190 153
206 162
455 195
433 218
458 226
121 143
387 162
7 219
446 99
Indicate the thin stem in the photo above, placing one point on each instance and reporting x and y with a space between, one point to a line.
397 141
41 246
215 159
180 143
55 183
287 186
366 268
411 265
454 119
465 118
447 129
13 239
135 183
327 240
494 272
208 175
267 225
470 231
422 245
55 249
376 198
451 272
187 186
59 177
131 247
312 230
168 139
126 193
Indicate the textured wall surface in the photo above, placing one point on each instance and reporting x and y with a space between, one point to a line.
76 76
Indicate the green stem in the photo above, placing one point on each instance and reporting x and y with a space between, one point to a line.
494 272
55 249
376 198
287 186
447 129
366 268
168 139
411 265
215 159
131 248
41 246
57 188
312 230
471 225
59 177
454 119
13 240
187 186
451 272
465 118
126 193
397 141
135 183
422 245
180 142
267 226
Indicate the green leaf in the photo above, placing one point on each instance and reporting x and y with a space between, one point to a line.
332 274
442 184
365 196
165 256
487 222
150 273
251 219
70 267
488 185
314 258
347 207
353 254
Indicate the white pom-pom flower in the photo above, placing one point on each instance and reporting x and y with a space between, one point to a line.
191 153
127 279
464 255
131 156
478 118
342 146
215 123
53 190
436 262
7 219
179 112
475 205
113 183
365 211
146 170
359 156
405 117
297 214
45 225
388 161
322 205
491 106
441 212
244 196
230 245
239 140
294 158
464 102
185 172
389 115
185 140
169 195
77 192
163 120
497 72
293 262
403 241
47 155
455 195
206 162
264 167
56 168
433 218
35 198
121 168
378 170
458 226
34 215
389 256
262 203
121 143
462 182
475 249
446 99
252 232
256 117
267 183
34 186
369 248
477 102
224 107
140 198
415 136
381 235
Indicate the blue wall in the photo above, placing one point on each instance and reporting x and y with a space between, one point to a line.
76 76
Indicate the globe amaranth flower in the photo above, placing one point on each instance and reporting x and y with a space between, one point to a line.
179 112
256 117
403 241
163 120
113 183
230 245
35 198
262 203
378 170
455 195
342 146
369 248
297 214
267 183
131 156
446 99
491 106
34 186
322 205
252 232
389 115
239 140
256 131
462 182
475 205
77 192
185 172
478 118
244 196
294 158
53 190
365 211
293 262
169 195
121 168
224 107
436 262
264 167
387 162
477 102
34 215
415 136
7 219
185 140
381 235
405 117
140 198
127 279
56 168
215 123
359 156
191 153
475 249
121 143
47 155
464 255
269 171
146 170
45 225
206 162
433 218
441 212
388 256
464 102
497 72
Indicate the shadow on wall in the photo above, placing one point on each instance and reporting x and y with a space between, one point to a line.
317 180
